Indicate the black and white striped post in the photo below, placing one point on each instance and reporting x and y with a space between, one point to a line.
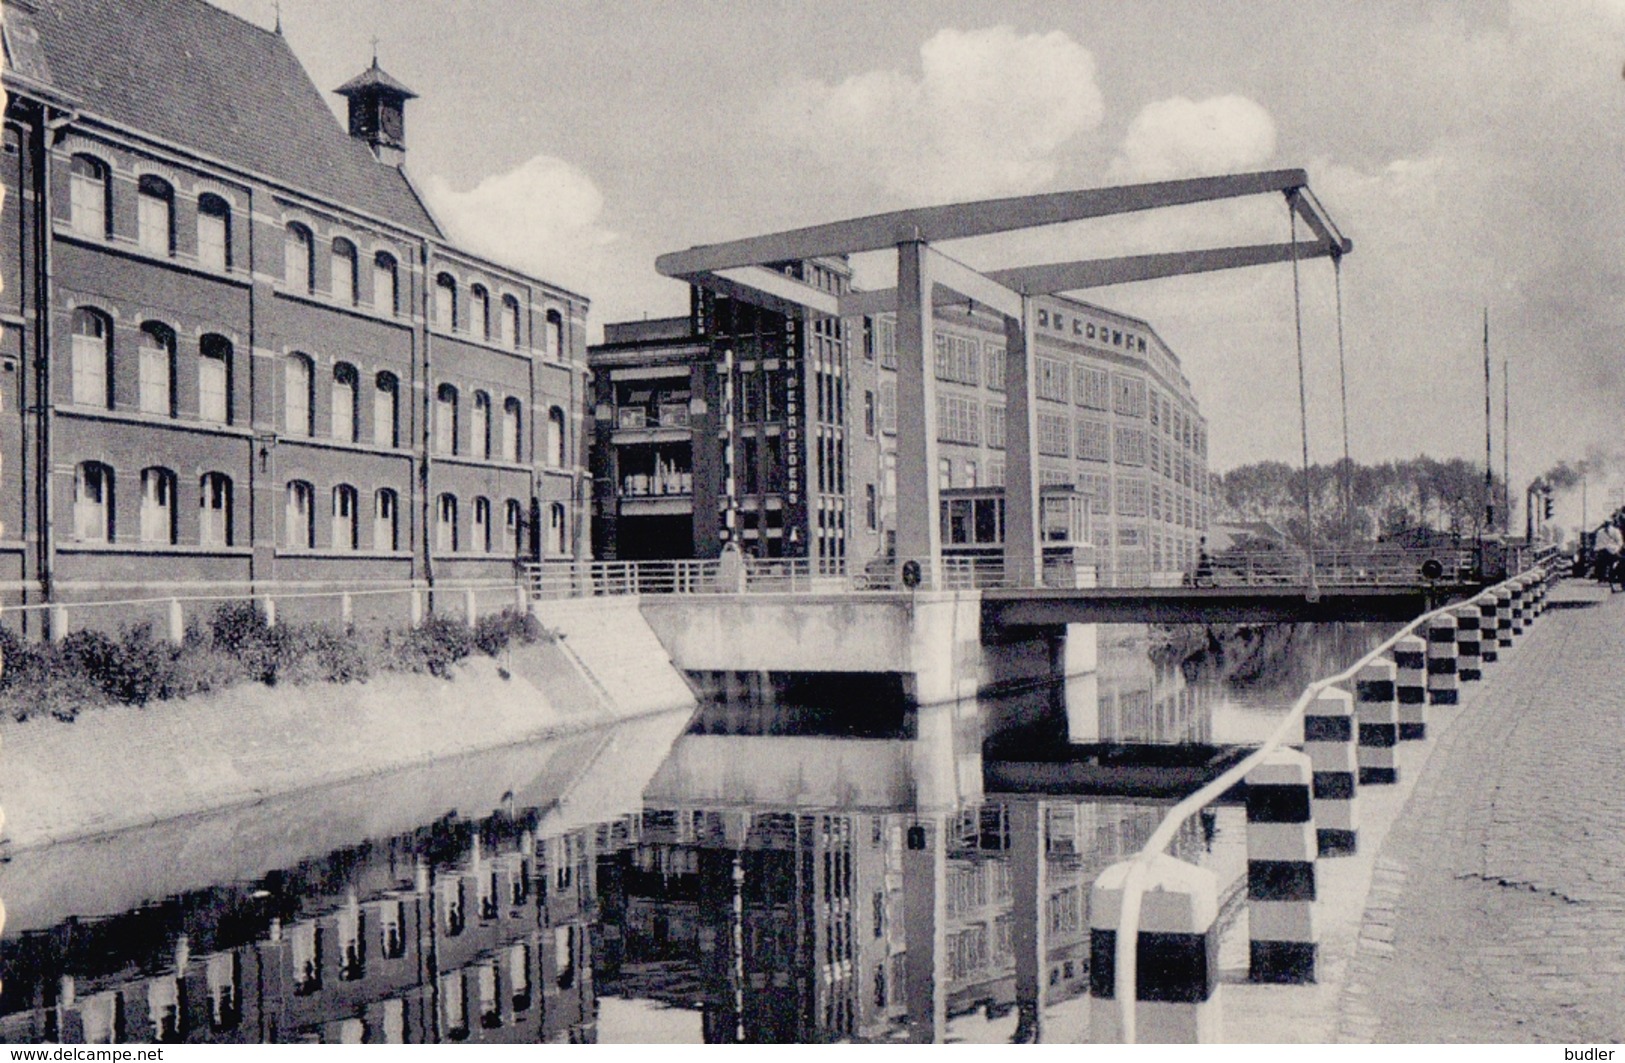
1411 668
1328 739
1377 716
1468 667
1537 583
1283 943
1503 617
1176 956
1518 597
1442 686
1488 639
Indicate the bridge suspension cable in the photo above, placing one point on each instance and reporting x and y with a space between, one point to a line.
1343 390
1303 395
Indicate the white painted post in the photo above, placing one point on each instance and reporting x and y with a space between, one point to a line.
59 622
270 610
1283 945
177 622
416 606
471 605
346 609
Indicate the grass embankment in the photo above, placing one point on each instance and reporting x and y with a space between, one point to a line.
92 669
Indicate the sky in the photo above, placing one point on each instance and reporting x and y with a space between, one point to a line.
1474 152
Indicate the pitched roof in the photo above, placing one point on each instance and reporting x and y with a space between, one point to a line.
375 75
191 74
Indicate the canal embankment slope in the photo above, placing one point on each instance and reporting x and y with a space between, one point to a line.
116 769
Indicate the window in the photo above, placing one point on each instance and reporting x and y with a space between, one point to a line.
157 505
346 398
297 405
92 358
445 420
214 509
1094 440
555 438
479 428
344 517
945 474
445 533
479 311
513 518
995 368
511 439
959 420
888 406
93 502
1054 432
995 426
299 259
1050 378
214 379
386 411
385 520
1130 446
554 336
155 215
156 369
89 197
869 414
299 516
481 536
445 302
213 232
385 284
557 530
1128 395
871 510
344 271
1091 389
510 322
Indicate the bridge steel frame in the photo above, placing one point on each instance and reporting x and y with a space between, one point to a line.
927 278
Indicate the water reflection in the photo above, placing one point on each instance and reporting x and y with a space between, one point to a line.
754 874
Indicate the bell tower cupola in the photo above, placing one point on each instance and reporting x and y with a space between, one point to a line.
378 112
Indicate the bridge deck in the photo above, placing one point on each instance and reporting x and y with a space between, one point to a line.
1047 606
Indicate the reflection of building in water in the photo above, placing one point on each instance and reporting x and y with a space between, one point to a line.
1147 701
454 933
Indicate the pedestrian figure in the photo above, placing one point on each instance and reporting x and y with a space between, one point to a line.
1204 565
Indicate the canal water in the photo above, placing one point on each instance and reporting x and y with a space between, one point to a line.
838 871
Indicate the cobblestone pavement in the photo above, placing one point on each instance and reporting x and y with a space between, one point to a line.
1497 905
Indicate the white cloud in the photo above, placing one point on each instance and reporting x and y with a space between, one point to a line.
1180 137
988 114
541 217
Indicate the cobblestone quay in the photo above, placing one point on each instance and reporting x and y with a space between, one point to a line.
1500 911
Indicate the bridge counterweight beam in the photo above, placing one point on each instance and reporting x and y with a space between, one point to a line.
1023 562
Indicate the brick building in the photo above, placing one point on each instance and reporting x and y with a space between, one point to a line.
237 346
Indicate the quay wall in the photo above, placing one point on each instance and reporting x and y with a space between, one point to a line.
118 768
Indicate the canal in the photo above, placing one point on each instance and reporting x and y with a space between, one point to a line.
850 868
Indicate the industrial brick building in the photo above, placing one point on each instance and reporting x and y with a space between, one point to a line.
237 346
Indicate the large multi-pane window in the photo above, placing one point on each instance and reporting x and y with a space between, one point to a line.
155 215
93 502
92 357
299 259
386 410
1128 395
298 409
156 369
1054 432
299 516
1093 388
1050 379
1094 440
345 517
214 509
344 271
214 379
1130 448
89 193
958 359
213 232
994 357
346 422
959 419
157 505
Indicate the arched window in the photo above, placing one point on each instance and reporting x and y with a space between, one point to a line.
445 302
213 232
479 311
480 540
386 399
555 438
445 419
214 509
155 215
299 259
385 284
344 270
385 520
156 369
93 502
157 505
479 426
445 528
512 520
510 322
90 207
345 518
511 440
214 379
297 404
346 396
554 337
557 530
92 358
299 516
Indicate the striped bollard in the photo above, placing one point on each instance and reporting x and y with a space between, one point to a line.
1176 957
1328 739
1411 665
1283 945
1517 589
1503 617
1540 593
1377 714
1442 686
1488 641
1468 668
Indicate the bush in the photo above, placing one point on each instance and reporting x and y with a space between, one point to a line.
434 646
495 632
